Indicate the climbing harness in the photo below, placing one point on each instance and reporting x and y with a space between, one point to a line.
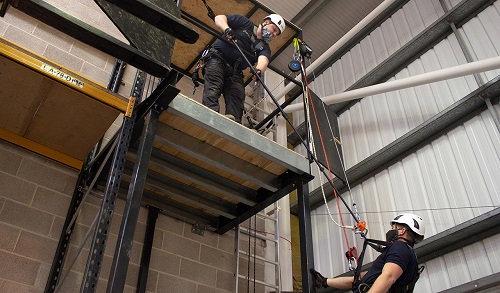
199 67
381 246
196 74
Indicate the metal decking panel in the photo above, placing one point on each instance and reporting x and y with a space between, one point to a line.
208 170
200 115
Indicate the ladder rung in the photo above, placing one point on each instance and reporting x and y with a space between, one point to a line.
259 282
259 257
258 235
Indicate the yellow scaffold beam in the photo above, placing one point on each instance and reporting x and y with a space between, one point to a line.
50 109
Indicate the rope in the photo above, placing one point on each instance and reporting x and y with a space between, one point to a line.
336 147
254 251
310 105
248 261
351 253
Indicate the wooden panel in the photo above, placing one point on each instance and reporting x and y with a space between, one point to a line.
186 54
143 36
21 93
47 107
197 9
70 122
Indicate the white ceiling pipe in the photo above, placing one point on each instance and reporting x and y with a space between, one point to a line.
342 41
425 78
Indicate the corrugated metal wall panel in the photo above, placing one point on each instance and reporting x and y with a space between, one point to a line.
405 109
377 47
447 182
481 35
429 183
461 266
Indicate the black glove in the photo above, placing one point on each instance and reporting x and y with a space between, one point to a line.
259 73
229 34
319 279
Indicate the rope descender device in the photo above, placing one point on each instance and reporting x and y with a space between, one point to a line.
361 228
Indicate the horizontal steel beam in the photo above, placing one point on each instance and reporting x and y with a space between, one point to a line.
200 176
87 34
216 157
489 283
159 18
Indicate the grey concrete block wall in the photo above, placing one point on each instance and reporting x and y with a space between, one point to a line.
48 42
34 197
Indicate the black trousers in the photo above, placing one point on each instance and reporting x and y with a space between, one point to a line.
220 78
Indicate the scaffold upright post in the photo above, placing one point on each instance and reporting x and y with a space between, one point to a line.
119 267
98 244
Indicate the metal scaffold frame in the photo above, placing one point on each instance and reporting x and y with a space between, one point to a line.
146 115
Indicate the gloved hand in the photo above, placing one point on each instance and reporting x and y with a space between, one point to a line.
229 33
319 279
259 72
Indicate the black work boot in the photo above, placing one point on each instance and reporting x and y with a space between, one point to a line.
319 279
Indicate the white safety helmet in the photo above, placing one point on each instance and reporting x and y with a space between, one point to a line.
278 21
414 222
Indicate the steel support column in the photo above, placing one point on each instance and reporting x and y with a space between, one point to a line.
98 245
146 249
105 213
159 102
119 267
306 248
90 169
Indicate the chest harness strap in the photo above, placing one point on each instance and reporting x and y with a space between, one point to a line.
381 246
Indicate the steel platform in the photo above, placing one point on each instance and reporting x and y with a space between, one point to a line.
210 171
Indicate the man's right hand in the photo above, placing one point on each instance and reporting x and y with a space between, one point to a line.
229 33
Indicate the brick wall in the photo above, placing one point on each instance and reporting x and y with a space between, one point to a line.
35 193
34 196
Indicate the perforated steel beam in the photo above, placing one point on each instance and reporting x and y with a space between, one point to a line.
98 244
